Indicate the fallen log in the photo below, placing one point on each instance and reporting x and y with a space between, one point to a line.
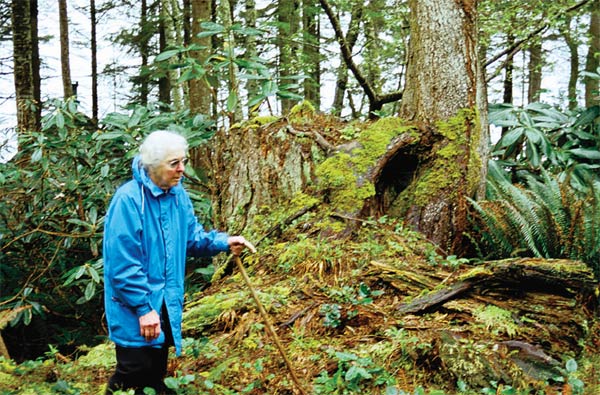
557 276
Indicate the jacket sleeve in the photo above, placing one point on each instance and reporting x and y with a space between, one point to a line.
123 255
200 242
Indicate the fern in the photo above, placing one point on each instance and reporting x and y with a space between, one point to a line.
545 218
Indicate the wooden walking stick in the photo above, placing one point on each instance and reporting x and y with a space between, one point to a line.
268 325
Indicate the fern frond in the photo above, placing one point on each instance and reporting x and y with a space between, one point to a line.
493 232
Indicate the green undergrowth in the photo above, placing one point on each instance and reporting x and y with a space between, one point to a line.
333 300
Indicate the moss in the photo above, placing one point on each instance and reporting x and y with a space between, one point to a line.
476 272
205 311
496 320
302 111
255 122
375 139
446 171
341 174
102 355
8 381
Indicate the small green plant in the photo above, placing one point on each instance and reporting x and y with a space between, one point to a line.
180 383
331 315
575 384
354 373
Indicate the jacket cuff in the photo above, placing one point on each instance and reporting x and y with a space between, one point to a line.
221 243
143 309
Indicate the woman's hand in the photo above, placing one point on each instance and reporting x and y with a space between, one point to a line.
150 325
238 243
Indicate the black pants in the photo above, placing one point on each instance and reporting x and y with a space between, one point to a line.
142 367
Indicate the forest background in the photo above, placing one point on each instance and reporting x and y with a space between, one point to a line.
275 98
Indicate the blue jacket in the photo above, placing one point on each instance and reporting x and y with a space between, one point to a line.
147 235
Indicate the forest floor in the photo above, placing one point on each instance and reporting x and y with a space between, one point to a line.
373 311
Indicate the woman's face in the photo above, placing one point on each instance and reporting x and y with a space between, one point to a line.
169 172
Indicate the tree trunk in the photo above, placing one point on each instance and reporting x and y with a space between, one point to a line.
256 167
287 12
252 87
200 92
311 52
446 95
507 84
233 108
144 48
26 64
172 24
94 56
342 72
574 63
372 29
535 71
64 49
375 99
593 61
164 82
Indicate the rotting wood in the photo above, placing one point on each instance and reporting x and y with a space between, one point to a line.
552 276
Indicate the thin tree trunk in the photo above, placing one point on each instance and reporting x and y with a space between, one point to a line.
226 15
507 85
375 99
200 92
535 71
171 19
342 72
372 26
288 49
26 64
164 82
252 86
94 56
64 49
574 63
144 52
592 93
311 52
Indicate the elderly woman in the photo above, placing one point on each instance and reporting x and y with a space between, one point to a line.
150 228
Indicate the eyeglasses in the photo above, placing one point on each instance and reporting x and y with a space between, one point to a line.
173 164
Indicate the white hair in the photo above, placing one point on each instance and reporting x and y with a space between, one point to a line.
158 145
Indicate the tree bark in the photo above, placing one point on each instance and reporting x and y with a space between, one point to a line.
592 85
200 93
26 64
252 86
535 71
94 57
445 93
164 82
256 167
64 49
574 62
289 25
144 49
509 67
311 52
